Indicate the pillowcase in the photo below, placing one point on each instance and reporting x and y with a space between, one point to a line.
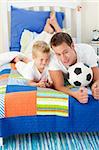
31 20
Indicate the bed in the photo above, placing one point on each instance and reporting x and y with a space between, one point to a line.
20 105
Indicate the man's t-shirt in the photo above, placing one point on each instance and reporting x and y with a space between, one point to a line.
85 54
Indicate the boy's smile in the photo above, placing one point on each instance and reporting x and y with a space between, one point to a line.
42 60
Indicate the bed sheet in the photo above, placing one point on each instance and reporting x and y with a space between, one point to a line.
18 117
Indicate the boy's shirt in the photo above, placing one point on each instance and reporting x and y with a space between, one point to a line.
29 71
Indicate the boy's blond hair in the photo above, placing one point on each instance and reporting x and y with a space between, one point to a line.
40 46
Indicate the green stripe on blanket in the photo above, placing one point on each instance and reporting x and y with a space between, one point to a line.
2 89
52 102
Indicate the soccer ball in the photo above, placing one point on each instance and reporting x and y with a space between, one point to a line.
80 74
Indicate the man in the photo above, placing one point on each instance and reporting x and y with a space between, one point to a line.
67 54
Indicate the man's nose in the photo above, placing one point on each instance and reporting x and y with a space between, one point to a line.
63 57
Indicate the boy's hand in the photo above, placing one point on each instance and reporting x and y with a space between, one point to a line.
82 95
95 90
16 59
48 84
41 84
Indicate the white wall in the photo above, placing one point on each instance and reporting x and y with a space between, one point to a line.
1 42
90 19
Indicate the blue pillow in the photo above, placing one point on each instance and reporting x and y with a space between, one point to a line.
31 20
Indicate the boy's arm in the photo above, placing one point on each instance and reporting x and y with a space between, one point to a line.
38 84
58 81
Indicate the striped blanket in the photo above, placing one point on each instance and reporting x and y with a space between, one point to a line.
19 99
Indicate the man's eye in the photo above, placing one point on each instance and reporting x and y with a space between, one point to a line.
65 52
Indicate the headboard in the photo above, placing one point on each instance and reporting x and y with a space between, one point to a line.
71 10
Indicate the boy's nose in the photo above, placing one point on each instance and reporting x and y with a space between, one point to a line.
44 62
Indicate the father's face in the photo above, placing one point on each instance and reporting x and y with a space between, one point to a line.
65 54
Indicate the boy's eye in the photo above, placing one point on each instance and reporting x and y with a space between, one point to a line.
41 59
58 54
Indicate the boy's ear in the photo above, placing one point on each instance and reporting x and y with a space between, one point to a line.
33 56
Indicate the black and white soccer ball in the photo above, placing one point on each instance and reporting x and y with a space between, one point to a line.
80 74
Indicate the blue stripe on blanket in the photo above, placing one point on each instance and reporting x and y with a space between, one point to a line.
19 88
5 71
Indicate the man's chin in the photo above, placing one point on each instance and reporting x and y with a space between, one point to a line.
66 64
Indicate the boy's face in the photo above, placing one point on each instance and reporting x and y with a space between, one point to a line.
42 60
65 54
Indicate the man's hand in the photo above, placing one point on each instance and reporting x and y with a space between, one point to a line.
95 90
82 95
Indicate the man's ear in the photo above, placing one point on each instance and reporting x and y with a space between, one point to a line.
72 45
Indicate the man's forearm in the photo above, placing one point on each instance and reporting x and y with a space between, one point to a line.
95 74
66 90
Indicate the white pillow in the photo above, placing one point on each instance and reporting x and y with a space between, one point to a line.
7 57
28 38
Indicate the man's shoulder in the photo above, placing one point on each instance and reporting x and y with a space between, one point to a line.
83 47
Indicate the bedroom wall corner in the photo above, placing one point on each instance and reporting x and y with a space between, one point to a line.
1 42
4 46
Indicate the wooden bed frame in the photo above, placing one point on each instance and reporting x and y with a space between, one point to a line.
65 5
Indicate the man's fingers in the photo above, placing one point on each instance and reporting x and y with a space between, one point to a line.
81 89
84 91
94 86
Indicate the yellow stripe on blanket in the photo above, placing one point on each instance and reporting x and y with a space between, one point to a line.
52 105
52 112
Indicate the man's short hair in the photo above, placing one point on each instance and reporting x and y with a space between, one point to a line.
60 38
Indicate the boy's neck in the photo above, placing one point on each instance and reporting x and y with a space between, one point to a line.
40 70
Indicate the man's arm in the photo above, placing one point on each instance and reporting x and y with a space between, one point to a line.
95 73
95 85
58 81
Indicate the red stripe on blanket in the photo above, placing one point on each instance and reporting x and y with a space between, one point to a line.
20 104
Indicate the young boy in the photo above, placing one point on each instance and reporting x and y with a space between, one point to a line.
36 71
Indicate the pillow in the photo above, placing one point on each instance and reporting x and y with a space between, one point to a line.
31 20
7 57
28 38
